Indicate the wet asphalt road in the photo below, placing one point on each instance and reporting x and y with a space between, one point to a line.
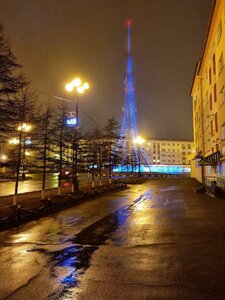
35 183
157 240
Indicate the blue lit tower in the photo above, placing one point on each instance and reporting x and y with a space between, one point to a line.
129 126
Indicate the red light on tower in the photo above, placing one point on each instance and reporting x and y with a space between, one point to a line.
129 22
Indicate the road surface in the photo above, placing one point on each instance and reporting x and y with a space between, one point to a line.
157 240
35 184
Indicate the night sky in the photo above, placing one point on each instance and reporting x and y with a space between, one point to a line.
167 40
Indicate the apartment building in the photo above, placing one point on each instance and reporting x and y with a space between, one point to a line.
208 98
166 152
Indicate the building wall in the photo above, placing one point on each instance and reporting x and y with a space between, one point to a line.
164 152
208 92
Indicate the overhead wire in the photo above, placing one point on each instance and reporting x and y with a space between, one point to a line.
72 19
71 101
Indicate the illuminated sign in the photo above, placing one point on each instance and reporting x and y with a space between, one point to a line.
71 119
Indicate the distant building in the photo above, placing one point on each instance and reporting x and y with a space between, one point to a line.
208 97
166 152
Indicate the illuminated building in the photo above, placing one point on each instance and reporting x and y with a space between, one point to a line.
208 98
167 152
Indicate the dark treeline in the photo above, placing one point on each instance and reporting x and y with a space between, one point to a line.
37 137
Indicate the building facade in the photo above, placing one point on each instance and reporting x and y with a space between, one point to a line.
166 152
208 99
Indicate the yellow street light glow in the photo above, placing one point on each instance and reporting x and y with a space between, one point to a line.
77 86
24 127
139 140
76 82
3 157
14 141
80 89
69 87
27 153
86 86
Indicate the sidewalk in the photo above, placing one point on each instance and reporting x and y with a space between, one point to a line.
33 207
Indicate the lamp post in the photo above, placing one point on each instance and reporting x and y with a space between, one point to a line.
77 87
22 128
139 141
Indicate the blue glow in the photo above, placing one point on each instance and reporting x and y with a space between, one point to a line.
71 119
129 126
71 122
162 169
28 141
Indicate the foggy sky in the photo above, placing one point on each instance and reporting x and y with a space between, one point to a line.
167 40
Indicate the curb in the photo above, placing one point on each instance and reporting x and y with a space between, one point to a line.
50 206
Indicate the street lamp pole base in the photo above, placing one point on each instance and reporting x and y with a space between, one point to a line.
15 200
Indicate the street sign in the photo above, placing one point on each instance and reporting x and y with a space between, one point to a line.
71 119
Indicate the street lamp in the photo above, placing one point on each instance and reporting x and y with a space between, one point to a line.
77 87
22 128
139 141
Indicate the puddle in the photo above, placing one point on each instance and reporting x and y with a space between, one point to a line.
77 257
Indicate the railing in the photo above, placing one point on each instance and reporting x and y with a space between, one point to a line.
209 180
210 185
221 183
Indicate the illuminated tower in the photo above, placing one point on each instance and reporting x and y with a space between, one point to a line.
129 130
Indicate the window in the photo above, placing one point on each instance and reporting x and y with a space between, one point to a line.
219 32
220 63
222 96
216 122
215 96
223 131
210 76
206 75
211 123
214 64
210 101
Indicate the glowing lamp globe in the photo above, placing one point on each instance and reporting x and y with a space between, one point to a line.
86 86
80 89
76 82
69 87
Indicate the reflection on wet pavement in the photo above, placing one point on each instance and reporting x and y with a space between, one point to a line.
76 258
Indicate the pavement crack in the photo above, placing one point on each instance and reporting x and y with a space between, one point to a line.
3 244
24 285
